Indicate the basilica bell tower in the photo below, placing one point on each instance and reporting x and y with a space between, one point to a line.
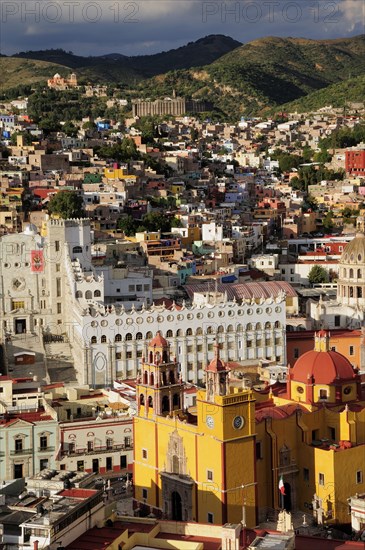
159 386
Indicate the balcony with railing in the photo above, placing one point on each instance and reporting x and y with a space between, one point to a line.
21 452
45 449
102 449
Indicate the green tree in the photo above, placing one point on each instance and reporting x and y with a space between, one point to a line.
128 225
328 221
317 274
67 204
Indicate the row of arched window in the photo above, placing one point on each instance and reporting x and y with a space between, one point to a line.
165 404
189 332
88 294
351 273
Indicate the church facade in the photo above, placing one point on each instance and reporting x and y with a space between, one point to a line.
223 460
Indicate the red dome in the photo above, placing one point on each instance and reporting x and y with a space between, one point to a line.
216 363
326 367
159 341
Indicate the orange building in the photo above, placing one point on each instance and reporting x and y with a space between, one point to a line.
345 342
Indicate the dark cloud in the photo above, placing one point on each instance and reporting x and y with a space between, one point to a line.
146 26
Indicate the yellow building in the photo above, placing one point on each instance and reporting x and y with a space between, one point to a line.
222 461
193 467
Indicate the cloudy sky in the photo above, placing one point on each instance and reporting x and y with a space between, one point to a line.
133 27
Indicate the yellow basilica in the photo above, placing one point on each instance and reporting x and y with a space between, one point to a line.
222 460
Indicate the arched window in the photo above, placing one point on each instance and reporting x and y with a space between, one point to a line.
267 325
141 399
150 401
118 338
176 400
145 377
359 273
149 335
165 357
359 292
128 336
179 332
249 326
169 334
139 336
351 273
97 294
172 377
93 340
103 339
277 324
152 379
77 250
150 358
344 272
165 404
220 329
88 295
189 332
78 294
258 326
351 292
209 330
199 331
164 379
230 328
239 328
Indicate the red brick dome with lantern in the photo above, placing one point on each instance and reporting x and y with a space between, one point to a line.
323 374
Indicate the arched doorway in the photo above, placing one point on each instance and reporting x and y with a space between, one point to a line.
287 497
176 506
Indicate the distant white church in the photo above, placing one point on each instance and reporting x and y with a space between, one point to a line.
348 309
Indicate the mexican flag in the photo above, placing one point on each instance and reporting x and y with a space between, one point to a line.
281 486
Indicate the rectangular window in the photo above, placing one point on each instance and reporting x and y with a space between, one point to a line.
199 347
80 465
210 347
131 288
118 355
351 350
258 450
144 454
305 474
129 355
359 476
43 463
337 320
58 287
109 443
144 493
296 353
90 446
321 479
332 433
59 308
323 394
139 353
209 475
43 442
210 517
17 304
57 246
139 288
18 445
146 287
58 268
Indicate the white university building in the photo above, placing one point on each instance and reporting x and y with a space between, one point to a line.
49 286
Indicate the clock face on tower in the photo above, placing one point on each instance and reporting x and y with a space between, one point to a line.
209 421
238 422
